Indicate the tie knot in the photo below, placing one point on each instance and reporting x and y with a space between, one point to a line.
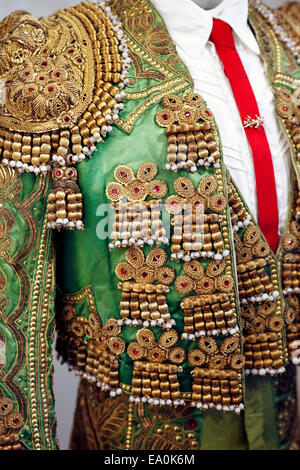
221 34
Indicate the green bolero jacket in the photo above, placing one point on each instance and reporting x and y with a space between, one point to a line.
179 328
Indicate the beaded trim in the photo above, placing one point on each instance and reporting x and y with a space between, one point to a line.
61 100
273 18
190 143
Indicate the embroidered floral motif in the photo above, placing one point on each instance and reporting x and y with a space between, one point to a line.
153 380
10 423
97 358
216 386
190 143
261 312
197 217
144 302
137 221
210 311
157 352
63 90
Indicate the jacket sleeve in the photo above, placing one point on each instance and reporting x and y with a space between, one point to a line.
27 419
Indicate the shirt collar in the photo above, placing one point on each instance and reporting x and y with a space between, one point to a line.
186 21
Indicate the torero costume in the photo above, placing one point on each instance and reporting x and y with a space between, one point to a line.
178 337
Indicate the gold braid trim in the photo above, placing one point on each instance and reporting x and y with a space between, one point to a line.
61 88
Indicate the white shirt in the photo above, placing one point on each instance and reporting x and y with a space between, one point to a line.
190 27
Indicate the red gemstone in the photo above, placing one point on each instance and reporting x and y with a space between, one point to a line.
191 424
30 90
197 204
123 174
145 275
26 73
137 190
208 113
284 108
42 78
44 51
206 284
58 74
219 202
156 355
123 272
114 191
50 89
135 352
44 63
57 173
174 204
165 117
79 60
290 242
51 55
197 358
166 276
116 346
16 421
187 114
70 173
71 51
67 119
157 188
177 356
226 283
184 285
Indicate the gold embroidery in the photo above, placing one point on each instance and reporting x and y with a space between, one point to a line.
142 301
216 386
10 422
98 358
65 200
151 44
258 286
62 92
290 279
146 346
210 311
197 233
136 221
190 143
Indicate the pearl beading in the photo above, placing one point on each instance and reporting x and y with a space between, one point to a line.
271 19
219 407
199 254
110 118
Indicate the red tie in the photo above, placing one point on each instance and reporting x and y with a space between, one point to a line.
222 37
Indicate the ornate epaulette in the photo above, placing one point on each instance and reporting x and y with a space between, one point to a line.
62 81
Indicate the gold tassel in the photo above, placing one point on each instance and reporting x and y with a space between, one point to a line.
65 200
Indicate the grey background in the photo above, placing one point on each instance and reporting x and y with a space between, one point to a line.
65 383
